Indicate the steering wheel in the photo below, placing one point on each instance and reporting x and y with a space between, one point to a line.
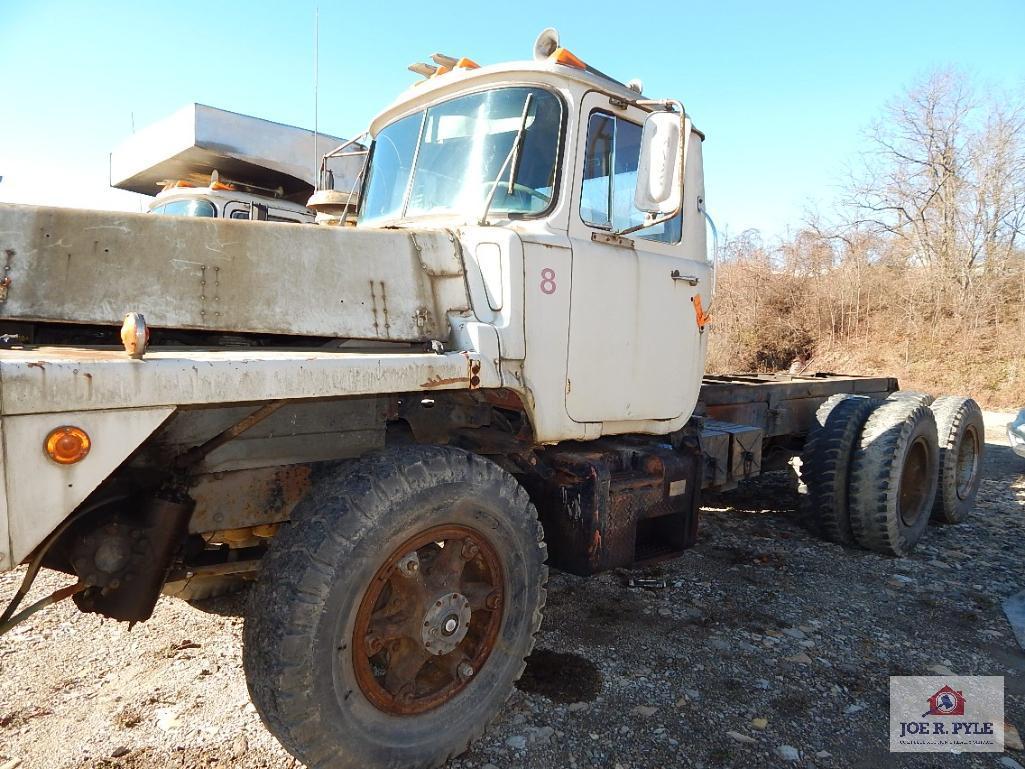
521 188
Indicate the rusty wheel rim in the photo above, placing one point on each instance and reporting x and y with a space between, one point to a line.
429 620
967 462
914 482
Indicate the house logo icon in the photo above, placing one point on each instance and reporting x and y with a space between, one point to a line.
946 702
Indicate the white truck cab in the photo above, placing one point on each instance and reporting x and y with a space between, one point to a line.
227 201
558 260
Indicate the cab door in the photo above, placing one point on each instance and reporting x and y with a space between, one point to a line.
634 343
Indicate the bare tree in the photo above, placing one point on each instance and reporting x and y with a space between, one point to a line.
944 176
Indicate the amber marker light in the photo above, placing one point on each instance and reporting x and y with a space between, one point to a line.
67 445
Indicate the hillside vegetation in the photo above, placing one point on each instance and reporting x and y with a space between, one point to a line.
920 274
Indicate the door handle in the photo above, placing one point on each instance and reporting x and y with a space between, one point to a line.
691 280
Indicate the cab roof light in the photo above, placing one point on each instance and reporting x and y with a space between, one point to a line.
442 65
566 58
444 61
422 68
170 184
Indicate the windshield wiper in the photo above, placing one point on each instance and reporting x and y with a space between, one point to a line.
512 158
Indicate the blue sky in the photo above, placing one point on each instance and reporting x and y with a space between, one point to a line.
782 89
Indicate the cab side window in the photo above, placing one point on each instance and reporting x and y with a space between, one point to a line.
610 175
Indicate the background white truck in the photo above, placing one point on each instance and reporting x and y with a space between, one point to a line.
397 425
209 162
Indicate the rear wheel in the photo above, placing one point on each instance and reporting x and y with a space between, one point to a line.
961 432
825 464
394 613
893 477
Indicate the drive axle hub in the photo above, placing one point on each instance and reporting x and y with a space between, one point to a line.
446 623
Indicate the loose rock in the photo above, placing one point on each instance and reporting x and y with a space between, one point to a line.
741 738
788 753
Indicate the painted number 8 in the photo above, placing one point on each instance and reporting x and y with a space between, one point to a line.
548 281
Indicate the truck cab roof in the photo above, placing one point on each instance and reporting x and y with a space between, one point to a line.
461 79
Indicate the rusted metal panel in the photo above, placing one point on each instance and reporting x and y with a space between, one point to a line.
615 503
92 267
244 498
46 379
780 404
305 431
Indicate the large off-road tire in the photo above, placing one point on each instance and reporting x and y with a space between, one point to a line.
354 591
961 434
893 477
825 464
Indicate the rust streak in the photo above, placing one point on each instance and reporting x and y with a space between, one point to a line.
437 381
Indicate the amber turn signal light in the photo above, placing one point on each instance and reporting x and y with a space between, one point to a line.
67 445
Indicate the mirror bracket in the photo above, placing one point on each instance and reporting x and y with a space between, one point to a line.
613 238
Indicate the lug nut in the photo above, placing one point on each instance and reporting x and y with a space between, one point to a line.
409 565
465 671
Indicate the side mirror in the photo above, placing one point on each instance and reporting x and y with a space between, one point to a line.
659 190
258 212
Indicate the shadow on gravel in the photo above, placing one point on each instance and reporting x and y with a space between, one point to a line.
1000 463
233 605
561 677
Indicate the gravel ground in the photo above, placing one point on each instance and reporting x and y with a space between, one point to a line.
766 648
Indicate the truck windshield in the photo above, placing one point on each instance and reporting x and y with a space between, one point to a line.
191 207
446 159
